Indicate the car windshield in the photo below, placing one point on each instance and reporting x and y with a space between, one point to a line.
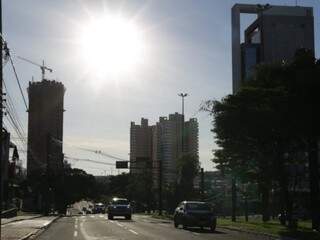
120 202
198 206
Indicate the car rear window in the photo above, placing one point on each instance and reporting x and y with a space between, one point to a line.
121 202
198 206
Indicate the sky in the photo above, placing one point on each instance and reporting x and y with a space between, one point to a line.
186 47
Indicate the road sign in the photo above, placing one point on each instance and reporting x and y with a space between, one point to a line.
121 164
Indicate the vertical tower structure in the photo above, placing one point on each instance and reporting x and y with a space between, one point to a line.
45 127
140 146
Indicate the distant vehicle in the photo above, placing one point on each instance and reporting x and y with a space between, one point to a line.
99 208
195 214
88 211
119 207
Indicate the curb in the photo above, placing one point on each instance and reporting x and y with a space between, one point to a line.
274 237
18 220
252 232
35 234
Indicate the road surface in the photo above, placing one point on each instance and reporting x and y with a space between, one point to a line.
142 227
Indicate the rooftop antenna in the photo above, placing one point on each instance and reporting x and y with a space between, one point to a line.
42 67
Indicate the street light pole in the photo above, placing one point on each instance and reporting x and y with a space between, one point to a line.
1 113
183 95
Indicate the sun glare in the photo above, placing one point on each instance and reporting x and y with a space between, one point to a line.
112 45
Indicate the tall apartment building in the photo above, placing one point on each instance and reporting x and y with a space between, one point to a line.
191 142
172 137
275 36
45 127
163 142
140 146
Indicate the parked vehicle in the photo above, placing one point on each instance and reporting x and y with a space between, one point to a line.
195 214
119 207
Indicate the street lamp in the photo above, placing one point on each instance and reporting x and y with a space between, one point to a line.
183 95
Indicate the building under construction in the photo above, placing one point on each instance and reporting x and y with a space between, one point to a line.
45 127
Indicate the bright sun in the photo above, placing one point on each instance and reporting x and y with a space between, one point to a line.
112 45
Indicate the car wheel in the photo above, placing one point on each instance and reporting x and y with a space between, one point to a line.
110 217
213 226
128 217
184 224
176 224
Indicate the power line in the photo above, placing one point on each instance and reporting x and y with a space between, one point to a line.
10 106
89 160
92 151
18 81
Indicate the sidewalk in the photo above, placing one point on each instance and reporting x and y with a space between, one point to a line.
25 226
19 218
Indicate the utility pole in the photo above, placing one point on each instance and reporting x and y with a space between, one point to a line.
48 176
234 198
160 188
1 113
202 184
183 95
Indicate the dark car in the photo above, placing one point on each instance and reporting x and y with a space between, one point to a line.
195 214
119 207
99 208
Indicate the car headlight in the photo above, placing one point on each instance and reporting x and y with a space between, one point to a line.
128 206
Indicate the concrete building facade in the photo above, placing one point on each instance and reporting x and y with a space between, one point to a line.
140 146
45 127
275 36
172 137
163 142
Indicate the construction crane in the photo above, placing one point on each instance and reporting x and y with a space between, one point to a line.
42 67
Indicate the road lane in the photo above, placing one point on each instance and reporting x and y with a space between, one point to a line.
142 227
61 229
151 228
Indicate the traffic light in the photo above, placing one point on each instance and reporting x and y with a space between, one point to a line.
121 164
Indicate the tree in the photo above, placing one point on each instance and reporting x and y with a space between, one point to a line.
188 168
275 114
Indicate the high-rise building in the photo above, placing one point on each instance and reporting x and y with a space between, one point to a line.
169 144
163 142
140 146
191 141
275 36
45 127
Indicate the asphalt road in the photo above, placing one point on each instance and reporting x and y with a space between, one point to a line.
98 227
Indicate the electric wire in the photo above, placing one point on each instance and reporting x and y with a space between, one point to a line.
18 81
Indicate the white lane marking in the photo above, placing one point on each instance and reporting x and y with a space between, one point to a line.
92 216
133 232
111 221
119 224
76 226
195 233
75 234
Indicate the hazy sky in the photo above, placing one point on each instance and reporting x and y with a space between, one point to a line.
187 48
